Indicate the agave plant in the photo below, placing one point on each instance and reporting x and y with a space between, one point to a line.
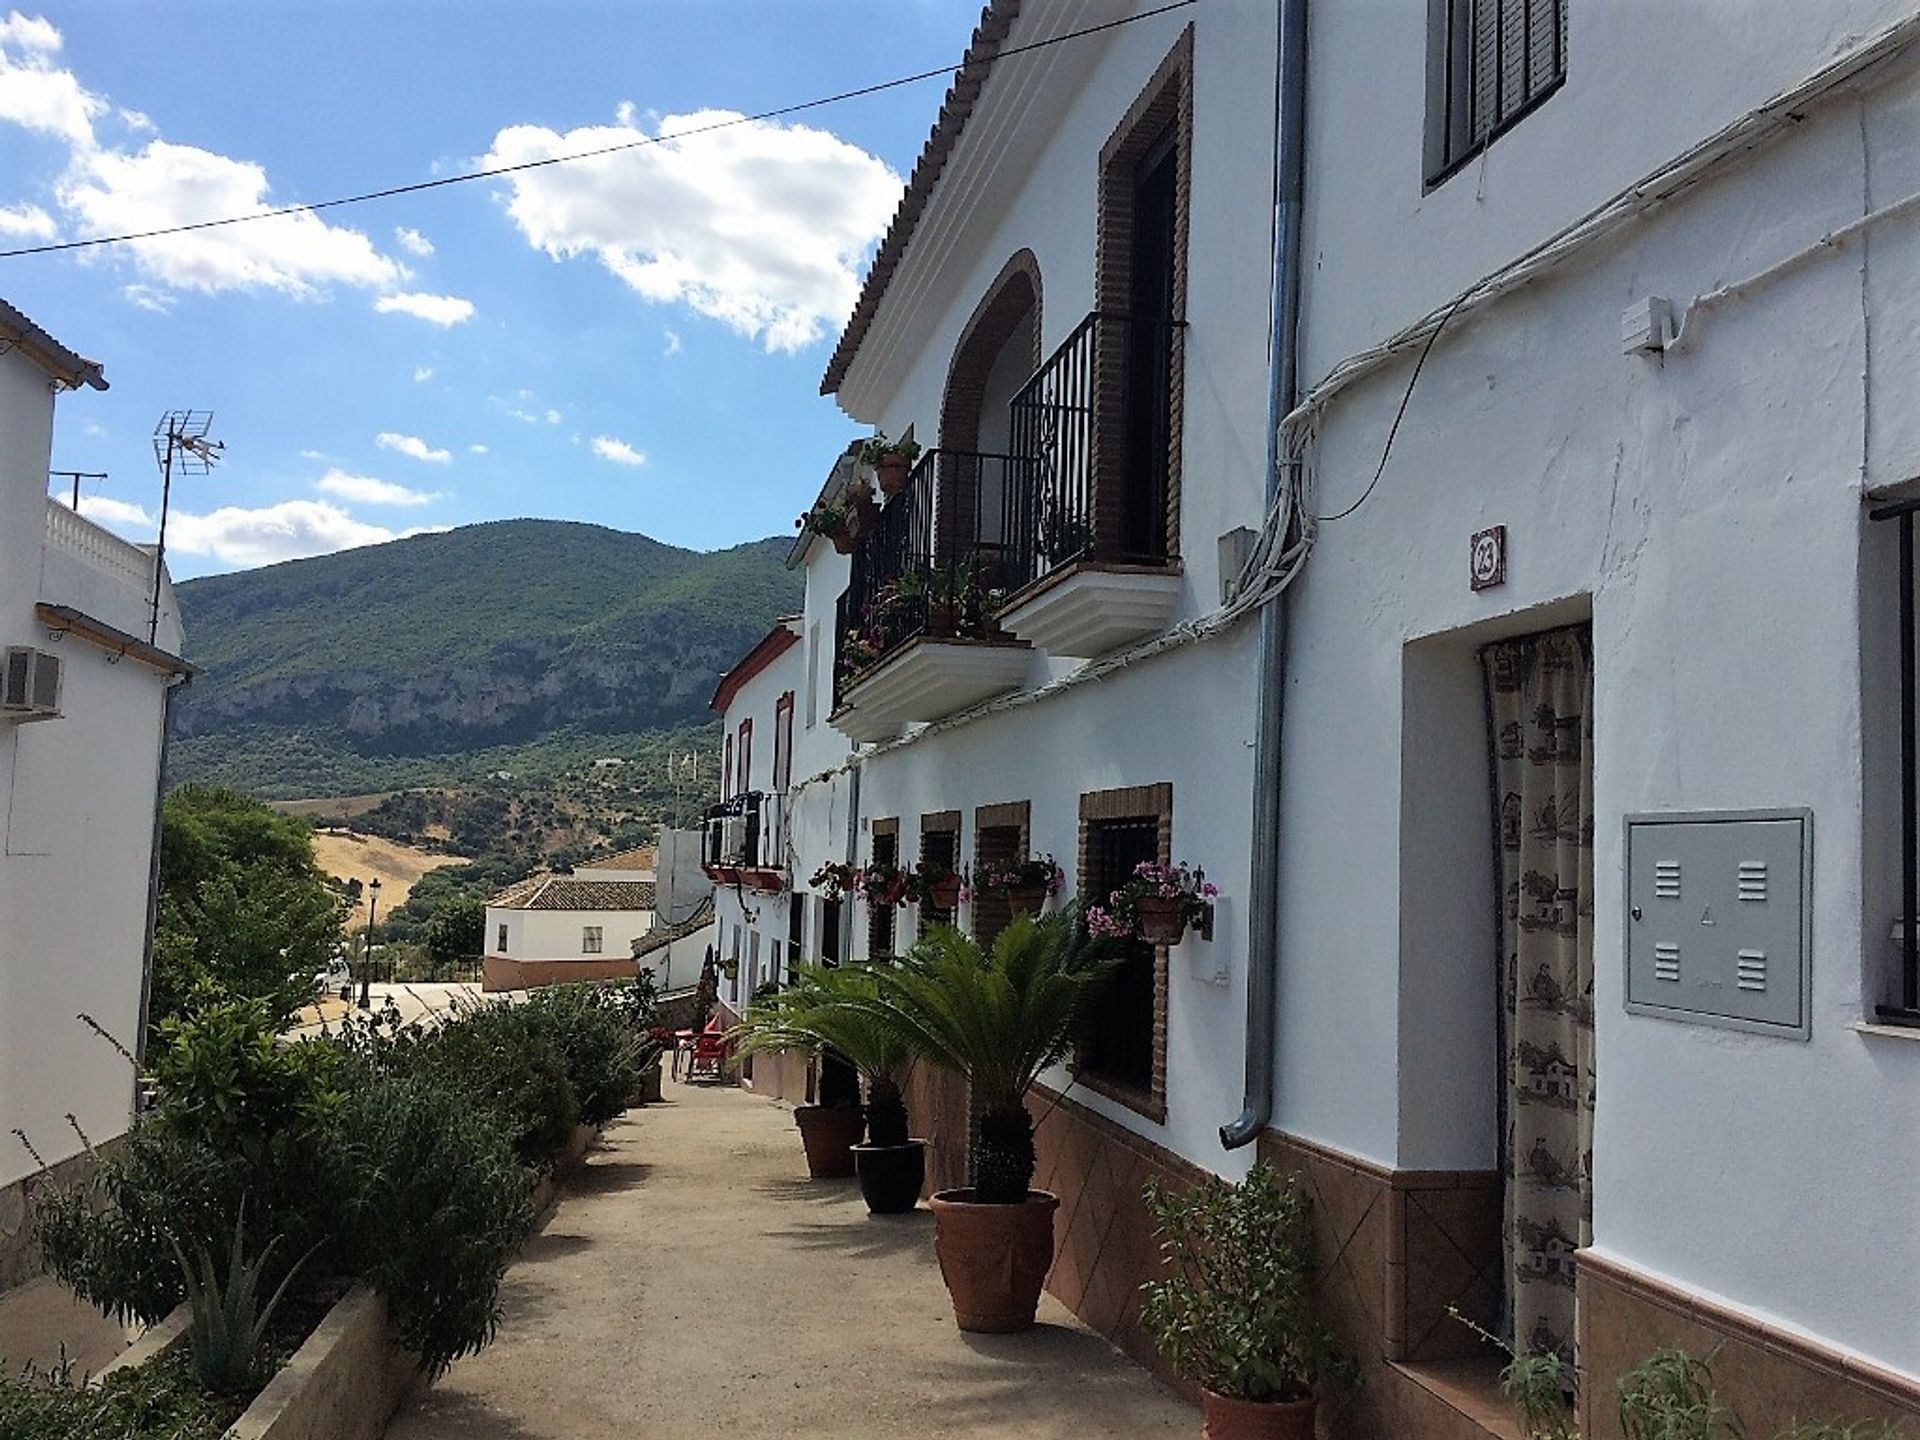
1000 1019
830 1009
227 1319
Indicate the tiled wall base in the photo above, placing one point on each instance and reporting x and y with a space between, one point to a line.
497 972
782 1075
937 1111
1765 1376
19 1261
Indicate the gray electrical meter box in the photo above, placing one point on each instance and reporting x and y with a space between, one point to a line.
1719 919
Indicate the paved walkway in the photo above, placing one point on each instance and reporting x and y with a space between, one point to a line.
693 1283
42 1322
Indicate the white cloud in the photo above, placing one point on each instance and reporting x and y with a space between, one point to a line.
367 490
553 417
29 32
761 226
149 297
92 429
412 241
313 455
673 344
477 450
422 373
290 530
28 222
119 514
618 451
34 92
412 446
442 310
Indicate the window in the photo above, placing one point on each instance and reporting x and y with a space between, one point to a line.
502 946
939 845
1489 62
796 931
743 777
1124 1055
589 939
883 920
726 773
831 914
813 674
999 835
1901 897
783 743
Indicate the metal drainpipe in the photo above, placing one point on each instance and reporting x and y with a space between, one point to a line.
1263 941
175 683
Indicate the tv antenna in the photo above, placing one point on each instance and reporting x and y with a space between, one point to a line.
179 442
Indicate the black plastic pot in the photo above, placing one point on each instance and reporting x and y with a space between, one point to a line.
891 1175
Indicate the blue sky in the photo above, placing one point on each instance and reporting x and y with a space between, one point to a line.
636 341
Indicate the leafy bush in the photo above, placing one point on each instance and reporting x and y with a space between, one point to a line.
601 1047
159 1401
505 1057
1237 1314
1669 1396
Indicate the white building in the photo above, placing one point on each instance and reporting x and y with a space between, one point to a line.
1603 345
91 656
586 924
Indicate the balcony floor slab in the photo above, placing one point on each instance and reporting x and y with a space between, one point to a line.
1091 610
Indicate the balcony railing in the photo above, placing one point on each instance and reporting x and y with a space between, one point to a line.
1095 425
743 840
944 555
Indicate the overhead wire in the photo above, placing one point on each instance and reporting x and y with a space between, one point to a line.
496 171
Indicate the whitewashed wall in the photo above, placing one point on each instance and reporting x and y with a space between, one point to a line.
76 817
556 934
1705 511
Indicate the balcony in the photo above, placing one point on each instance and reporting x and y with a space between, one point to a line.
95 572
743 841
1093 561
915 633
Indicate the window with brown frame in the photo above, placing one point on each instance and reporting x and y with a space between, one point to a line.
939 845
1124 1054
883 920
999 834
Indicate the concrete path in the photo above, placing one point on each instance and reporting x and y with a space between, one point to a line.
42 1323
694 1283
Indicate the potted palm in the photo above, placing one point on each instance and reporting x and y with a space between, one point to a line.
1236 1315
823 1012
999 1019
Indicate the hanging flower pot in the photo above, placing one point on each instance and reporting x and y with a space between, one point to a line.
1162 921
1027 899
845 542
893 472
944 891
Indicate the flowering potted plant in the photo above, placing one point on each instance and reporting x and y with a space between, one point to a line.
892 461
1155 905
835 878
859 650
1025 883
844 523
881 884
936 883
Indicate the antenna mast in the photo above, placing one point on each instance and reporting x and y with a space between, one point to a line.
179 440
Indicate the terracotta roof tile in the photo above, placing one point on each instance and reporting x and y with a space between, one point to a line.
568 892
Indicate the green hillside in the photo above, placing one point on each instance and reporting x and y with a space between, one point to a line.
526 645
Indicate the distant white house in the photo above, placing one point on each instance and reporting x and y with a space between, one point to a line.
89 654
583 925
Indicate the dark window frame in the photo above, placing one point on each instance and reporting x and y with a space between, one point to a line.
1128 806
1451 141
883 921
939 840
993 913
1906 1009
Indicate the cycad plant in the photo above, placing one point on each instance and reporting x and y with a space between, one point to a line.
831 1010
1000 1019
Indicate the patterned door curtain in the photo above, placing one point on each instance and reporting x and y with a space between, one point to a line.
1540 694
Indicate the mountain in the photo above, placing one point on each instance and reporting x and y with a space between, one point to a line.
519 643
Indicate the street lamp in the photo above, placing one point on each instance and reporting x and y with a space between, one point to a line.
366 958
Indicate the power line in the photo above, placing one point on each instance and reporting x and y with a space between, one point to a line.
419 185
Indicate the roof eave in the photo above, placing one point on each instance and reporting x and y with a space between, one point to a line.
69 367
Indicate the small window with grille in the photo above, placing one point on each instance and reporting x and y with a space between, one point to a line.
1119 1044
502 946
941 848
1489 62
992 910
882 920
590 939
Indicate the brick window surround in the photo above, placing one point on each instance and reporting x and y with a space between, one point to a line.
939 841
1099 808
883 921
1162 111
1011 299
1002 833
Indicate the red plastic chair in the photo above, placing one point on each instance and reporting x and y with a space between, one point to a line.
709 1058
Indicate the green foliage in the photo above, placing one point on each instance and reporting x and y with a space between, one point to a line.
998 1019
1540 1387
1237 1313
457 933
832 1010
600 1047
159 1401
227 1320
506 1058
242 904
1669 1396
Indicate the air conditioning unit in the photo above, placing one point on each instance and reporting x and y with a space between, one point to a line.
30 687
733 840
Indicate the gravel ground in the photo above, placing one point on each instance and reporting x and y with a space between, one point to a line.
694 1282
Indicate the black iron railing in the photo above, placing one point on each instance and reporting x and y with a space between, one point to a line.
743 832
1095 424
942 557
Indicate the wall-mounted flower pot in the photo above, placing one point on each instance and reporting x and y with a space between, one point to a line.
893 472
845 540
1027 899
994 1258
829 1133
1231 1419
1162 921
891 1175
944 892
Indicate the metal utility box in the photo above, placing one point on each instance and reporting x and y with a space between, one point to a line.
1720 919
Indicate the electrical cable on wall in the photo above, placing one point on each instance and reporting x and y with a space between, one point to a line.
417 186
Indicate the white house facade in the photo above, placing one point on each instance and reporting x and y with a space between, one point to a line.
91 653
1444 469
587 924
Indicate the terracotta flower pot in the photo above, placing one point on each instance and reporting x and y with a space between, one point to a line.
994 1258
893 472
829 1133
1027 899
891 1175
1231 1419
945 892
845 540
1162 921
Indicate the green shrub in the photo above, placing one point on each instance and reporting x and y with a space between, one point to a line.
1669 1396
600 1046
159 1401
1540 1385
506 1057
227 1321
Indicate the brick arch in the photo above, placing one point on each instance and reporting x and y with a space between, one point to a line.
1014 292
